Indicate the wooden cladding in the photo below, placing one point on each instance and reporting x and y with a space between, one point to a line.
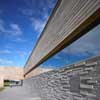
70 20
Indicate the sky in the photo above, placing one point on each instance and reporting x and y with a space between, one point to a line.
84 48
21 23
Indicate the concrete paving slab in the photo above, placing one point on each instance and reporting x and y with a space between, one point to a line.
17 93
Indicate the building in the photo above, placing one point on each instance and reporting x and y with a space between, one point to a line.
70 20
10 73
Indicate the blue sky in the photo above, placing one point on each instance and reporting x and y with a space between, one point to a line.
84 48
21 22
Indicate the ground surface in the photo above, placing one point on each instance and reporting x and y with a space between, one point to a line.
17 93
1 89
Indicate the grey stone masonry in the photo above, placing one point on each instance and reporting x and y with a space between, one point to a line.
78 82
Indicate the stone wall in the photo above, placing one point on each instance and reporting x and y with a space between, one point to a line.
79 81
38 71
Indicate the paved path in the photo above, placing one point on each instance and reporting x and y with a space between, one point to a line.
17 93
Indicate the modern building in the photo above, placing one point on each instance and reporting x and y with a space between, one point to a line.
10 74
69 21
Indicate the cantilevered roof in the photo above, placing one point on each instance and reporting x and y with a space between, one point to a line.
69 20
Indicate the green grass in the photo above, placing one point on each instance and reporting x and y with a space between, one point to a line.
7 83
1 89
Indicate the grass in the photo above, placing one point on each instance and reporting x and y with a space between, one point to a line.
1 89
7 84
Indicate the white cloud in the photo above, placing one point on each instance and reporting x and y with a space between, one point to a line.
57 57
47 66
19 40
50 3
88 44
5 61
9 46
14 29
29 12
5 51
38 24
43 14
21 53
26 12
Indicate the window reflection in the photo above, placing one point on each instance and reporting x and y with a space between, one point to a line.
86 47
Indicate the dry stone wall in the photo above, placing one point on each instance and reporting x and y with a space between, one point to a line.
77 82
38 71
